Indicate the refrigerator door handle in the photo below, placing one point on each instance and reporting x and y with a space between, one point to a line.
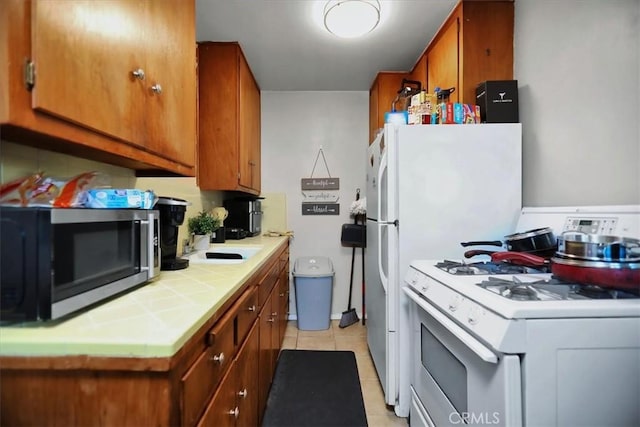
382 197
383 278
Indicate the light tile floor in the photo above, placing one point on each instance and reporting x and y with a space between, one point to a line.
352 338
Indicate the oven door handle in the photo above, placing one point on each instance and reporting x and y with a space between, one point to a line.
474 345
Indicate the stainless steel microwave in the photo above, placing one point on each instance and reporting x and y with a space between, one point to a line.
56 261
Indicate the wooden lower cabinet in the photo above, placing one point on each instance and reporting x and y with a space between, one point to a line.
266 357
221 376
235 403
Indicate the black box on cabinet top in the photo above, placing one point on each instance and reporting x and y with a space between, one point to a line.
498 101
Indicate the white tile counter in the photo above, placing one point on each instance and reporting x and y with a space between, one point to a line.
154 320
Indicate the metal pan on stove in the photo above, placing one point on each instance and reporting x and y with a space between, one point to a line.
624 275
540 241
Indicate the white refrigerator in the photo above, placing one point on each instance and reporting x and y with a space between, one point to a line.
429 187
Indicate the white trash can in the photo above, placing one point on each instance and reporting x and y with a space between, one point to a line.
313 281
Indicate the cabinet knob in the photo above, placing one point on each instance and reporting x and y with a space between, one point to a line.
274 314
271 320
138 74
218 358
243 393
282 294
156 88
235 412
252 308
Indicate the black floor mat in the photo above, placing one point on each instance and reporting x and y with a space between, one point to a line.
315 388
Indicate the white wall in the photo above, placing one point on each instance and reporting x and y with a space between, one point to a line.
577 63
294 127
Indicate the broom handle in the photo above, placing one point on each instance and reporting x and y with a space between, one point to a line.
353 256
363 310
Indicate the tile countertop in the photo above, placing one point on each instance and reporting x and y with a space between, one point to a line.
154 320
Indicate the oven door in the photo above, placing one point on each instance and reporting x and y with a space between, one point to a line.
456 378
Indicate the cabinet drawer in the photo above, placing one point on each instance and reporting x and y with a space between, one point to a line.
266 284
204 375
246 313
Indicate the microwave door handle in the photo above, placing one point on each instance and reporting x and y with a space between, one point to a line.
148 224
473 344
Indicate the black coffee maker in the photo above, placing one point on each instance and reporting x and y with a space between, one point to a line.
171 217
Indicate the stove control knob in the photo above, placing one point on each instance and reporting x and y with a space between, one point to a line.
474 316
455 302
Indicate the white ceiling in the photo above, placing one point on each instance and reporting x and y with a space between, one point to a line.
287 49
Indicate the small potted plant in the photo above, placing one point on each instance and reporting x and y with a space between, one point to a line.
201 226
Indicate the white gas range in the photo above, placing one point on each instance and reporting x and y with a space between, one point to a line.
516 347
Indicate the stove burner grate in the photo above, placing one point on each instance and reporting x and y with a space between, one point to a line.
550 289
461 268
520 293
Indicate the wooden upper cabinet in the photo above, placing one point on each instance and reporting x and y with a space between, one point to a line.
475 44
382 93
95 68
486 45
249 113
171 90
419 72
87 79
229 120
442 58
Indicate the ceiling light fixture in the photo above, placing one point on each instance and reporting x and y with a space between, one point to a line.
351 18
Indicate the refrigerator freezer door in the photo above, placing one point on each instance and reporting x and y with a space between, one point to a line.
372 168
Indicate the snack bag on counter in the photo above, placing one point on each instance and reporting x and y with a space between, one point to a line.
38 190
30 190
74 191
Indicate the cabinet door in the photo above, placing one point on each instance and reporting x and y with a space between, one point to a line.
382 93
283 305
277 319
223 411
170 108
265 355
442 59
247 391
486 45
84 54
373 111
419 72
249 128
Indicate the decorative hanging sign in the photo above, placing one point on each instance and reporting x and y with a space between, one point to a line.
320 197
320 208
320 183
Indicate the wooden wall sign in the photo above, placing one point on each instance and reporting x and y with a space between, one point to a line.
321 200
320 208
320 183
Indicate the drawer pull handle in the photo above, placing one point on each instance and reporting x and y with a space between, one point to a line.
282 294
243 393
274 314
218 358
235 412
252 308
138 74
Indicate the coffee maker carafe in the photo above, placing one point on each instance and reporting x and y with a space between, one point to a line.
172 212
